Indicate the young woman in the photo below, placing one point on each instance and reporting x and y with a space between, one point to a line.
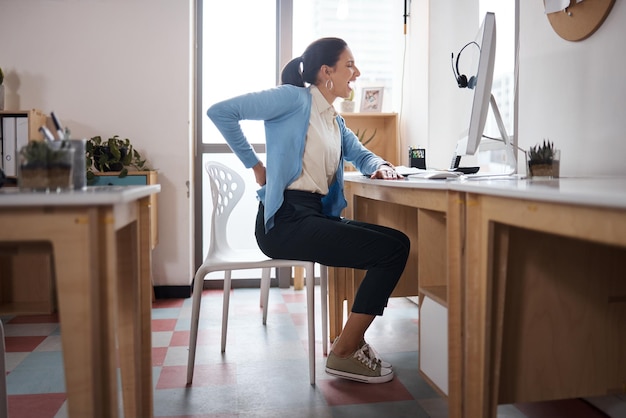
301 195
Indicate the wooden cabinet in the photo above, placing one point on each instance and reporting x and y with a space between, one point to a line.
385 125
134 178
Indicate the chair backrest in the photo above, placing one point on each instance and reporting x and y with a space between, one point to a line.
227 188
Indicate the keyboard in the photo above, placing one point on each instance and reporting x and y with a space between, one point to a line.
427 174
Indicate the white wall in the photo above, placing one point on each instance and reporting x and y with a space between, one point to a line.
113 67
572 93
123 67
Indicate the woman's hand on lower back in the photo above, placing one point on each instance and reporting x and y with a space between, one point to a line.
259 173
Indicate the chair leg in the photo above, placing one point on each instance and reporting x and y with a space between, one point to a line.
324 296
225 305
265 292
195 317
310 296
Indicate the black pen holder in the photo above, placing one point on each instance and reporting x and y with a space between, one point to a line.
417 158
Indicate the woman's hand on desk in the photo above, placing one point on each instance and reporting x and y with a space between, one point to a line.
386 172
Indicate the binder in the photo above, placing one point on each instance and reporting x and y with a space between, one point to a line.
21 135
8 142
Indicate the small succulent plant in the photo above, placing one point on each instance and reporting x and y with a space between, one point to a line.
542 153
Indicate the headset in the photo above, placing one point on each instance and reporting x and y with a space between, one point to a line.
462 79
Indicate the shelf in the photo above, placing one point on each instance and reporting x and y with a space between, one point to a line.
437 293
385 143
26 308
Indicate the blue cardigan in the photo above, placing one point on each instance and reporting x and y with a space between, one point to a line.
286 110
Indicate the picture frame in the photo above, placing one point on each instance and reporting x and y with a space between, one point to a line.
372 99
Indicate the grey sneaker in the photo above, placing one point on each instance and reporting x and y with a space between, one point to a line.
372 354
359 367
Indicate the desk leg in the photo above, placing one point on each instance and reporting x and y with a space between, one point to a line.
486 267
477 289
135 304
86 328
146 293
455 225
128 322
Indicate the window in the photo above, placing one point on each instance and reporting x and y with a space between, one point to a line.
239 56
373 30
239 45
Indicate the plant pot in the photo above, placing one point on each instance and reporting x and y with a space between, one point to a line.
2 97
105 161
52 174
33 177
550 169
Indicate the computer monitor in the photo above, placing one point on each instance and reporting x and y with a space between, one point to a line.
480 84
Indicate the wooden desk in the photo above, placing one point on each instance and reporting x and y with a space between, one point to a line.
399 205
101 248
530 276
544 291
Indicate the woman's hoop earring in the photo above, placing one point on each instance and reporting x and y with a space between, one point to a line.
332 85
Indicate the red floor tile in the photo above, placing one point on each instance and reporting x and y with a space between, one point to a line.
205 337
35 319
299 318
204 375
294 298
167 303
22 344
44 405
158 355
163 324
345 392
566 408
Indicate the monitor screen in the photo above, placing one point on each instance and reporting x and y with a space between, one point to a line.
480 83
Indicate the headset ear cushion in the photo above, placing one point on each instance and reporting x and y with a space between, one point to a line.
471 83
462 80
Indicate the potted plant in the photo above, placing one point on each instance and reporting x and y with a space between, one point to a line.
347 105
544 160
365 140
46 165
114 154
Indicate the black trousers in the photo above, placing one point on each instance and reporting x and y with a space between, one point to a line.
302 232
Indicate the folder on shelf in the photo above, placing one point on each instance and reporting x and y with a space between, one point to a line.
8 146
21 135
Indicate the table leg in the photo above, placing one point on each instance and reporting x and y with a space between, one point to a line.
86 328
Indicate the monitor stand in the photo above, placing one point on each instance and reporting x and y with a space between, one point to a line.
508 146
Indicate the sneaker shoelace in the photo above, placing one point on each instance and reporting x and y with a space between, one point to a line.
364 358
369 351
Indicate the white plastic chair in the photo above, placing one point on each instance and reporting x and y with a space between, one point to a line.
227 188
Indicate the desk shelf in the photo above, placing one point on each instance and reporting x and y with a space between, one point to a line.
437 293
385 143
27 282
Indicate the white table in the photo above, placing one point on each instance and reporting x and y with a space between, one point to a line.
102 260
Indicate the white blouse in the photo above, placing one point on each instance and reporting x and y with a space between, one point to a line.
322 148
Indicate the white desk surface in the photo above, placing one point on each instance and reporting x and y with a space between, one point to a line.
588 191
94 195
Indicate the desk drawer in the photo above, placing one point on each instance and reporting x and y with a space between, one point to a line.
130 180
